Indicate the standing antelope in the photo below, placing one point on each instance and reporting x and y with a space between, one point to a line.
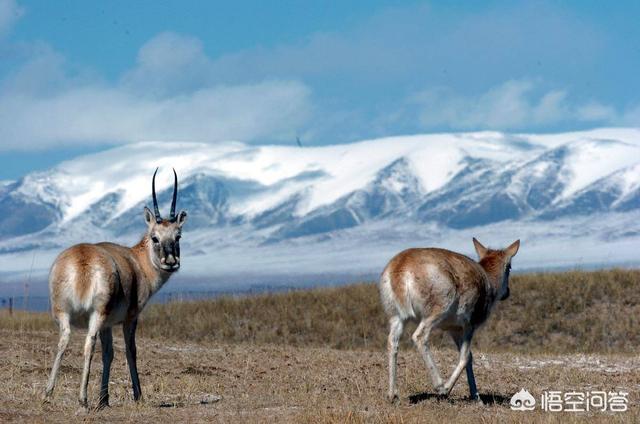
442 289
97 286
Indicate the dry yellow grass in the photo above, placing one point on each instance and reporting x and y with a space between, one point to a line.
547 312
261 383
575 311
318 356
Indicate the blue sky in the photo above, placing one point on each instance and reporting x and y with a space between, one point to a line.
79 76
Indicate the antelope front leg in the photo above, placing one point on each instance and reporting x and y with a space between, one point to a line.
129 328
471 380
465 353
106 340
89 346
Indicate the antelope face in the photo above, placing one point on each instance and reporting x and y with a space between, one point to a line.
164 234
164 240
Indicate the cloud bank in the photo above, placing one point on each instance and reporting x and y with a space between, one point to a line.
167 95
513 105
406 69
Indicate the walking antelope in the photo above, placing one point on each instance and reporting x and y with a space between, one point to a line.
443 289
97 286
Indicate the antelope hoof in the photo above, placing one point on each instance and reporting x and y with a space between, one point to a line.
82 410
47 397
476 398
84 407
104 403
442 391
393 398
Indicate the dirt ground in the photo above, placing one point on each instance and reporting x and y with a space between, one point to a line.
271 383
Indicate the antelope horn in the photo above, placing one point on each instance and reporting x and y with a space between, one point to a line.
172 214
155 200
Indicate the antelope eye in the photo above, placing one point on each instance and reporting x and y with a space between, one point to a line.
155 240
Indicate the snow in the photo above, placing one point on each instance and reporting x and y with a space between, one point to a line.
319 176
365 250
630 179
625 135
340 169
127 170
591 160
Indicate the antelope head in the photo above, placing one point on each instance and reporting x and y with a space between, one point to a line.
498 264
164 233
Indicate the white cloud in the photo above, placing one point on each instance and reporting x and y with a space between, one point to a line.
594 111
515 104
84 115
166 96
362 74
10 12
169 63
43 71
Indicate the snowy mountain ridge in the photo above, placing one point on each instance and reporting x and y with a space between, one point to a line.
254 198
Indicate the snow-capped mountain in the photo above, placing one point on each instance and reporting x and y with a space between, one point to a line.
342 207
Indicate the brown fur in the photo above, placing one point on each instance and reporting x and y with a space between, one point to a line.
493 264
465 273
441 288
120 282
139 251
73 266
83 256
97 286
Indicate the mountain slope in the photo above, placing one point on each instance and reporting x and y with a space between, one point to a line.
241 197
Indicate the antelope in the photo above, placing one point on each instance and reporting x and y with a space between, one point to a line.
97 286
438 288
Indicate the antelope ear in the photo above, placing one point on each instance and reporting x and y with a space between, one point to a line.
513 248
480 249
148 216
182 217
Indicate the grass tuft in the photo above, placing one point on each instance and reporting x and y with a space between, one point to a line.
566 312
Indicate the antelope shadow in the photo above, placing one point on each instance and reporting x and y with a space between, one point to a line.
487 398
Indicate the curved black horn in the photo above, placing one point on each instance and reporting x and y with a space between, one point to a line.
156 211
172 213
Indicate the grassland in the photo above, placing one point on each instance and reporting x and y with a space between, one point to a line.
318 355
